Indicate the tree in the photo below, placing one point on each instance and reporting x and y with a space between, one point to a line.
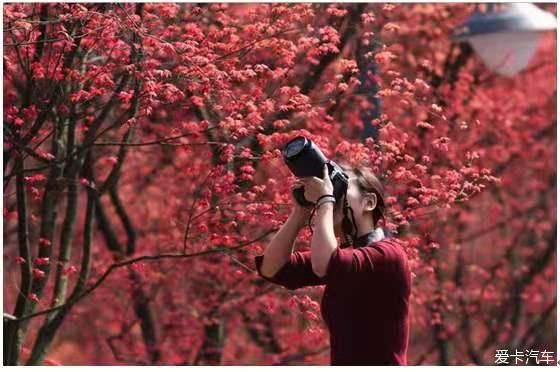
142 174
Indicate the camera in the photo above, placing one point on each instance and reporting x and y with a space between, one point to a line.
305 159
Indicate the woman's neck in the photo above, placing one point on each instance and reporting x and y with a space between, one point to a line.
364 225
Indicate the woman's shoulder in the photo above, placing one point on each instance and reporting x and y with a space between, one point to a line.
389 241
395 259
392 248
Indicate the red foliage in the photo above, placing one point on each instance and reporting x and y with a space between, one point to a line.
177 112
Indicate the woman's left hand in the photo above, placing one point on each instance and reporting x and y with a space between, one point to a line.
315 187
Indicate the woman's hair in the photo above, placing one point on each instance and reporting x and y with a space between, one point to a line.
368 183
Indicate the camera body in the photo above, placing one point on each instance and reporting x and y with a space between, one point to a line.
305 159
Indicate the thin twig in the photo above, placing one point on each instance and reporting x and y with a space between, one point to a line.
139 259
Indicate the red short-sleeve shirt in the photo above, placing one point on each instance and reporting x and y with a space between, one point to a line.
366 300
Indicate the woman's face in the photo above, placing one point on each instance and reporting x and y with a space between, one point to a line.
354 198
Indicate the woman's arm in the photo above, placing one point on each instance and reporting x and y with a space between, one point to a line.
323 242
278 251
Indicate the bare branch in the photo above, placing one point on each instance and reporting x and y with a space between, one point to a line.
139 259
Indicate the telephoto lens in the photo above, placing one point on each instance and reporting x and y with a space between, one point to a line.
305 159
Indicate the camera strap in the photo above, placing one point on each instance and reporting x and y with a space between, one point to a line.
349 226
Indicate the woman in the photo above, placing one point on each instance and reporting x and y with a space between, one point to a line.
366 298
